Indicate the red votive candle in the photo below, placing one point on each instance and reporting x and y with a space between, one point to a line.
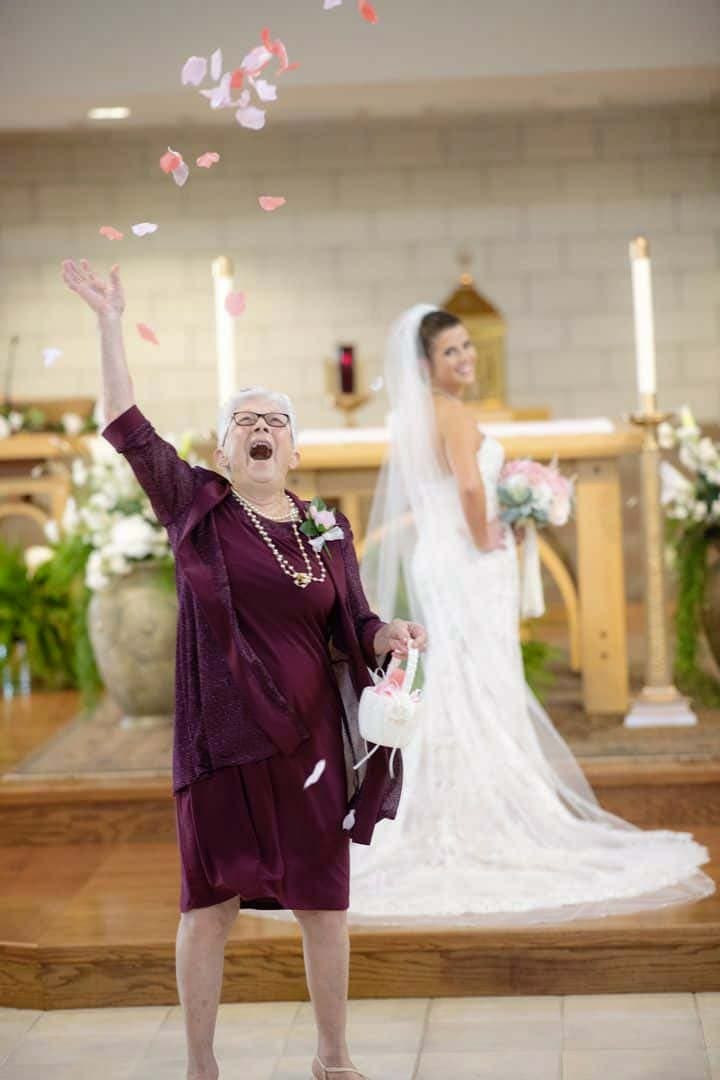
347 368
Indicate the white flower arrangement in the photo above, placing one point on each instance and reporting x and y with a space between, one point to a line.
112 515
694 499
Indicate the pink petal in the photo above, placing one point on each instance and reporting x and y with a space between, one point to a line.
110 232
147 334
170 161
277 49
216 64
207 160
250 117
315 774
181 174
235 303
271 202
144 228
265 91
50 355
367 11
194 71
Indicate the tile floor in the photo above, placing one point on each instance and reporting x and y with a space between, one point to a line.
603 1037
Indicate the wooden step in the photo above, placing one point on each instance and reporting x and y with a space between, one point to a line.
94 925
114 809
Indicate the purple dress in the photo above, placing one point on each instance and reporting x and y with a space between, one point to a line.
251 830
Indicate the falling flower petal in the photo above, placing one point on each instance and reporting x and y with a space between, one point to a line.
147 334
237 78
250 117
271 202
349 821
216 64
194 71
206 161
256 60
235 303
219 96
265 91
50 355
330 4
180 174
171 161
110 232
315 774
144 228
367 11
277 49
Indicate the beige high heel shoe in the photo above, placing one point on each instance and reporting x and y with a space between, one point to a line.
329 1071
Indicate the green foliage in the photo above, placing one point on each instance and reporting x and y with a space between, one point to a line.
49 612
36 610
34 419
691 547
537 657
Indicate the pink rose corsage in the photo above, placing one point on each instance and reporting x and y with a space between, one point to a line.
320 525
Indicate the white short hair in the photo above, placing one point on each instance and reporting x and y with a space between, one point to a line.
235 403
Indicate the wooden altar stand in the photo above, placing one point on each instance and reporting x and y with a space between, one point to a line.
342 467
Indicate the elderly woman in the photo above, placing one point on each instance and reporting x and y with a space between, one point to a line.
273 648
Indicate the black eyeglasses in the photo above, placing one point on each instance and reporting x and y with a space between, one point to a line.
250 419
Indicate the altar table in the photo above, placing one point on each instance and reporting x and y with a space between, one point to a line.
342 466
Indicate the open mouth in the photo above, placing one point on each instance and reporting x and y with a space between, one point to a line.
261 450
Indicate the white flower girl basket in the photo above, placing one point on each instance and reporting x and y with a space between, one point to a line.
390 711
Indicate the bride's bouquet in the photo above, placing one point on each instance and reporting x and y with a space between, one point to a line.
533 495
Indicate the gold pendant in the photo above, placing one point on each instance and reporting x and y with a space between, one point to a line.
302 580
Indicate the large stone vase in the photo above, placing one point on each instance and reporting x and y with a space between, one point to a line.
132 626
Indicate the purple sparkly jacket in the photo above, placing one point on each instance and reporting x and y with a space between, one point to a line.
228 710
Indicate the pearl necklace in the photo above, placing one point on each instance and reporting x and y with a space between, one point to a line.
301 578
291 514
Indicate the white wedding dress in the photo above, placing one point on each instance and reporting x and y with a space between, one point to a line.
497 822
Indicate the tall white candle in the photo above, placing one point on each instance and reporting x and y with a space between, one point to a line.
222 269
643 308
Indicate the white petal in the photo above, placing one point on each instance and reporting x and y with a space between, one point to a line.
194 70
330 4
251 117
349 821
180 174
216 64
144 228
265 91
51 355
315 774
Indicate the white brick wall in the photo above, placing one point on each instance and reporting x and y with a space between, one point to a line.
377 213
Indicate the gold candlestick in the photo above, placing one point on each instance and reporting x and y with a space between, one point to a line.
660 703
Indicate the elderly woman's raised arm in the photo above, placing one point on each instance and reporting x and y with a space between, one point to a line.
168 481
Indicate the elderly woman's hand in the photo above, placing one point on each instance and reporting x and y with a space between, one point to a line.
397 635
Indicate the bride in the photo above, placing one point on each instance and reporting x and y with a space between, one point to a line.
497 822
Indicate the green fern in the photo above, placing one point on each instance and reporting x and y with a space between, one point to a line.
691 547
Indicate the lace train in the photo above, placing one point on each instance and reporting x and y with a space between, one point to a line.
497 822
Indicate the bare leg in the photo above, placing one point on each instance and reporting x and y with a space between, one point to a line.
199 955
326 945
